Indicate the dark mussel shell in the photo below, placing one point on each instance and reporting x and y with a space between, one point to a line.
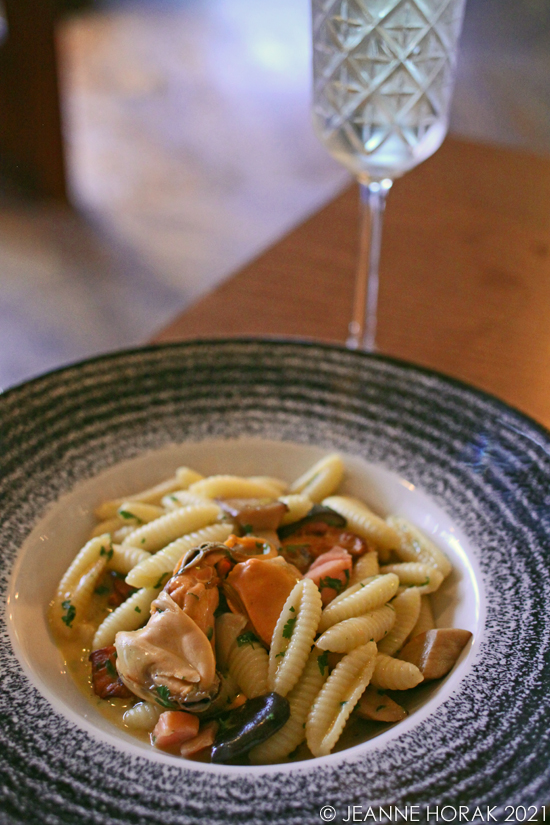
317 513
249 725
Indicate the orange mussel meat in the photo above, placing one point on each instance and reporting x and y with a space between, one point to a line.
259 588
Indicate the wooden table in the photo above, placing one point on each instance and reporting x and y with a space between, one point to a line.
465 278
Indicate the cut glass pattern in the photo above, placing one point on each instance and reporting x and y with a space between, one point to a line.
383 71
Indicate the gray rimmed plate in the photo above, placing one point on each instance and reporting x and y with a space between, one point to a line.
466 468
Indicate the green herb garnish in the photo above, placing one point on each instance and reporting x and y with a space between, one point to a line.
70 612
108 553
335 584
289 627
160 581
247 638
102 590
111 669
163 697
322 661
137 609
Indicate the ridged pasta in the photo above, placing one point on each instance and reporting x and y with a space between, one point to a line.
422 577
365 567
81 597
167 528
182 498
106 526
393 674
248 664
337 698
143 716
185 476
349 634
228 627
298 507
276 483
300 699
293 636
322 479
156 565
360 599
125 558
93 550
415 546
407 611
123 533
225 486
361 520
137 512
152 495
131 615
425 619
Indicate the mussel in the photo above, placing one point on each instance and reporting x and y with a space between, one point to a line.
249 725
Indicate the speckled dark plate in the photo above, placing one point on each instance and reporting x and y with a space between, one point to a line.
475 473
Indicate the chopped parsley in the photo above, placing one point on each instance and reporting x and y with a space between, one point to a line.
163 697
322 661
70 612
102 590
128 514
289 627
247 638
137 609
328 581
108 553
247 529
161 580
343 703
281 654
292 610
111 669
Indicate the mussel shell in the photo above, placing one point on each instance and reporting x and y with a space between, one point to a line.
250 725
317 513
196 554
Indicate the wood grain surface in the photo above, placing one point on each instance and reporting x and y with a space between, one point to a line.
465 275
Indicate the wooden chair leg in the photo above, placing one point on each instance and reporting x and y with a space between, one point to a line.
31 138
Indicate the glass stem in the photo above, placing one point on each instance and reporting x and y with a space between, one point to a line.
362 328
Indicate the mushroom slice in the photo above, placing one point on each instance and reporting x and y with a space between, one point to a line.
376 705
434 652
169 661
254 513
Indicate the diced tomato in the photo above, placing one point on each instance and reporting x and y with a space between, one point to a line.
173 728
105 679
204 739
331 572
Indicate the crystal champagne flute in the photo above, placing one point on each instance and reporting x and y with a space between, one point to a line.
383 74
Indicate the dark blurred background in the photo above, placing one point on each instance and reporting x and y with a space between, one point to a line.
186 148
